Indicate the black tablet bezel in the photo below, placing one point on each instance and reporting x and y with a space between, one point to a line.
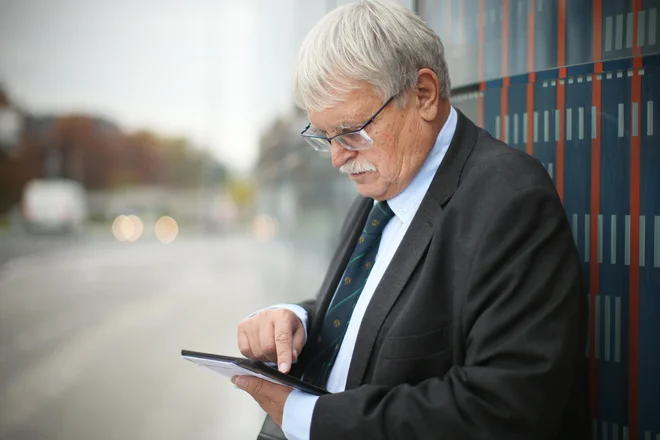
261 368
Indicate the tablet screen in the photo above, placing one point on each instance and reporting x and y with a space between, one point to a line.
230 366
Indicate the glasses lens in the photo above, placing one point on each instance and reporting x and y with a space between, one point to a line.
359 140
318 144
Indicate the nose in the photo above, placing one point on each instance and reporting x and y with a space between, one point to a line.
340 155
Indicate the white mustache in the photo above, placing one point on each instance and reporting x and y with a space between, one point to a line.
355 167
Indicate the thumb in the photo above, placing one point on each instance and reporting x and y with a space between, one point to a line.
250 384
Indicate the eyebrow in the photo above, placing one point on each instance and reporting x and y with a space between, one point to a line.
347 125
343 126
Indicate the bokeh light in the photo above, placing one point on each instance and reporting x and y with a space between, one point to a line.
166 229
138 228
265 227
127 228
118 228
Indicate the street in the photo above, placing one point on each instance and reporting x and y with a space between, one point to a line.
91 331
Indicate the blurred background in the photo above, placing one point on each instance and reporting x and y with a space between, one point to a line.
154 191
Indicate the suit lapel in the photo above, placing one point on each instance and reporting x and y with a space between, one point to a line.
398 272
412 247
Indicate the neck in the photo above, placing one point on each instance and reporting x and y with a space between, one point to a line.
441 119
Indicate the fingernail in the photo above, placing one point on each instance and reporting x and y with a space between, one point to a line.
284 367
241 382
295 353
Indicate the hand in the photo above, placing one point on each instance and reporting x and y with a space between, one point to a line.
273 335
271 397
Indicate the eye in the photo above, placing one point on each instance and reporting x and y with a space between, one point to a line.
355 136
348 130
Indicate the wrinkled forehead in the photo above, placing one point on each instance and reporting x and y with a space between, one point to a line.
353 110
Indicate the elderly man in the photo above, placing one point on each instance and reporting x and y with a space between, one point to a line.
453 307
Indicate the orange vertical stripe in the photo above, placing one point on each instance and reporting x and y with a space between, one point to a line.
530 114
504 93
504 107
480 62
532 78
480 105
633 334
561 95
561 62
594 279
637 6
597 54
633 310
593 258
505 37
530 38
480 37
561 33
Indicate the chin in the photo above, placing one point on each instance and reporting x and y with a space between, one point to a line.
370 190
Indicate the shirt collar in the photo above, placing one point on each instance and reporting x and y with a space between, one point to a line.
405 204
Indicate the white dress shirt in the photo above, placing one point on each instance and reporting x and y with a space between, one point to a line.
299 406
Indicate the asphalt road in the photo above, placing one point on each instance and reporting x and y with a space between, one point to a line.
91 331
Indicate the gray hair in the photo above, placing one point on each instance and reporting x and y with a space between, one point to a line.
377 41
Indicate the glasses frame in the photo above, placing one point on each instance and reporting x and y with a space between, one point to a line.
338 137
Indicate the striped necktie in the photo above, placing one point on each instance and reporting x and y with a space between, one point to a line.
346 296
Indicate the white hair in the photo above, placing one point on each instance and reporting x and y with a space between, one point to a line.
377 41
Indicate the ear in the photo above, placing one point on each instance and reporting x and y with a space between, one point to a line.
428 94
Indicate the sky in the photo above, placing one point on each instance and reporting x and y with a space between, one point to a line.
215 71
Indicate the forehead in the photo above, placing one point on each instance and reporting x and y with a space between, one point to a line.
356 107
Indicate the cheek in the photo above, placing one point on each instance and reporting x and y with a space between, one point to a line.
384 153
388 161
383 164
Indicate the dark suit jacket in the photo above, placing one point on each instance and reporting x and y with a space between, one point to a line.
478 327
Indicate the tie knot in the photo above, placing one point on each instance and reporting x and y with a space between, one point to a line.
380 214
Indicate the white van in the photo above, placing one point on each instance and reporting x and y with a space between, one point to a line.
54 205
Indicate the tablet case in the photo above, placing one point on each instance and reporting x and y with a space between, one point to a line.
259 367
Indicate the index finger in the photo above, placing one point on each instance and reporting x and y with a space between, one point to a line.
284 345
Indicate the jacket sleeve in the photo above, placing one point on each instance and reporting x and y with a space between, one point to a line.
524 325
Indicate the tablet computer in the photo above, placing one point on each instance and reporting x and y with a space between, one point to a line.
233 366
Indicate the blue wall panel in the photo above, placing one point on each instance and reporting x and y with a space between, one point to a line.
517 42
649 26
492 100
649 271
543 129
517 100
618 26
492 39
617 29
546 31
577 154
470 73
579 31
614 258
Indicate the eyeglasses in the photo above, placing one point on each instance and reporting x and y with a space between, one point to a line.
353 140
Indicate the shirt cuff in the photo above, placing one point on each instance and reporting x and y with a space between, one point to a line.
297 417
295 308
